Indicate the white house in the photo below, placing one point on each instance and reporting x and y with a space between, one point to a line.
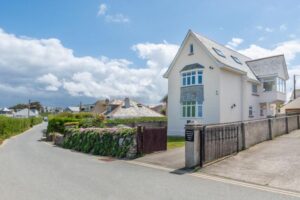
210 83
6 112
24 113
72 109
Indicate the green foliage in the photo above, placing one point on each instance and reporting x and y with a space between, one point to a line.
81 115
13 126
136 120
100 141
88 120
57 124
175 142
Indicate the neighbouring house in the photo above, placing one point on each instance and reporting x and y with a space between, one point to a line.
160 108
48 109
292 107
297 94
25 113
86 107
128 108
6 112
210 83
72 109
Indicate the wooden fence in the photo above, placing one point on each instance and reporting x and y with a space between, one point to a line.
151 139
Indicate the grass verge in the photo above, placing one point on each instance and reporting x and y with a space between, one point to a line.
175 142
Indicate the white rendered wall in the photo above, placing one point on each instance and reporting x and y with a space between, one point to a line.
211 110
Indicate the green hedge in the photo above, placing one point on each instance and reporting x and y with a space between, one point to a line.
13 126
57 124
114 142
135 120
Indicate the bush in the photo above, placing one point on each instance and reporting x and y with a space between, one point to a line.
80 115
114 142
57 124
135 120
13 126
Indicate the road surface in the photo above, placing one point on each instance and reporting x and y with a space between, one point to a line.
34 170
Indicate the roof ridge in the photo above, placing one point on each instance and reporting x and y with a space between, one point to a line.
220 44
265 57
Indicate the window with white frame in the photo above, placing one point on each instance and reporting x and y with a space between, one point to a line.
269 84
192 78
191 109
280 85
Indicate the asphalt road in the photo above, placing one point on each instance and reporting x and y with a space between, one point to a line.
34 170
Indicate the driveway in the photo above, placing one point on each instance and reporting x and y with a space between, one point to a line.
173 158
34 170
274 163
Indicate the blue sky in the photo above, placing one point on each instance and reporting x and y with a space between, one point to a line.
130 35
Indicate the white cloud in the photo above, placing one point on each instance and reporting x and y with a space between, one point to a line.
266 29
102 9
270 30
282 27
118 18
289 48
41 65
51 81
235 42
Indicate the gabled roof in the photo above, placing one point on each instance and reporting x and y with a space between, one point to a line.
73 108
226 61
5 110
134 110
273 65
228 53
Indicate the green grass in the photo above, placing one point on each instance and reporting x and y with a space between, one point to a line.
175 142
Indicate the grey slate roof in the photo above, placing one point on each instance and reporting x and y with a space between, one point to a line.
252 68
192 66
227 60
269 66
135 110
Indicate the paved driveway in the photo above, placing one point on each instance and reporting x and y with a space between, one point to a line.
34 170
173 159
274 163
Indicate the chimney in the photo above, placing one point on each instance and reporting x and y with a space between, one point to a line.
106 101
126 102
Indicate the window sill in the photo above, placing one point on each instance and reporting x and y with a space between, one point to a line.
251 116
190 54
255 94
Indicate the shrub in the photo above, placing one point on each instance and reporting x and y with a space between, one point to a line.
13 126
114 142
57 124
135 120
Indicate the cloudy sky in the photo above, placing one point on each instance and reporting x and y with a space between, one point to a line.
63 52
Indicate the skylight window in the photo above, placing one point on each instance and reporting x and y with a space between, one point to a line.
219 52
236 60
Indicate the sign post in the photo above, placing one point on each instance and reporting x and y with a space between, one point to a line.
192 145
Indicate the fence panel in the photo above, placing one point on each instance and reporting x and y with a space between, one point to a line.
151 139
219 141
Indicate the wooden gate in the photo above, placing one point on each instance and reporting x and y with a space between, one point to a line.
218 141
151 139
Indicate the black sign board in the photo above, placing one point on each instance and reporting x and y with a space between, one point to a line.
189 135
